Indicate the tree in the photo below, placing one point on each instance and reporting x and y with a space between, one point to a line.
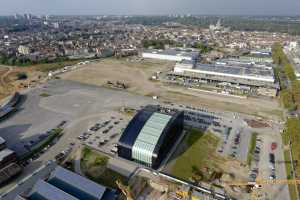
22 76
203 47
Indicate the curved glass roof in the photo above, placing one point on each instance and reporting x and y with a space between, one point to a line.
148 137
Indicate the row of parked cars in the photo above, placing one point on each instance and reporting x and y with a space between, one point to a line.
236 143
256 157
63 154
272 166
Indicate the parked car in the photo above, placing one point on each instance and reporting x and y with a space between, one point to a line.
272 158
273 146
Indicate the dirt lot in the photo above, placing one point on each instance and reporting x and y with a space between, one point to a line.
9 82
136 75
256 124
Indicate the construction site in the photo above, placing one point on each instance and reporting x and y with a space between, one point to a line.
214 158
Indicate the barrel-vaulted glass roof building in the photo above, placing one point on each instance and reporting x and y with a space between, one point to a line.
150 135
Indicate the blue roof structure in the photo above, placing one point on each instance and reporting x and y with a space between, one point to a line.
76 185
45 191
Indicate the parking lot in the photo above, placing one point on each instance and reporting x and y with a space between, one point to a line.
235 143
271 166
105 133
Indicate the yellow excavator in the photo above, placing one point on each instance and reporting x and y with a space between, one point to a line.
124 189
182 194
259 183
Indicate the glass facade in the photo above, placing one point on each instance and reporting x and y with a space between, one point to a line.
142 150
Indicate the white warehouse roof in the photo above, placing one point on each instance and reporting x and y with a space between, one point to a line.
171 54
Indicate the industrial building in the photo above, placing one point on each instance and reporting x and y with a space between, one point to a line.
8 163
150 135
233 73
172 54
44 190
7 156
10 106
2 144
63 184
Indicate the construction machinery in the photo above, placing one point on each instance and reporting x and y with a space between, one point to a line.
124 189
182 194
255 186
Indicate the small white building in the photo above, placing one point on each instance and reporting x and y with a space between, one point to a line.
23 50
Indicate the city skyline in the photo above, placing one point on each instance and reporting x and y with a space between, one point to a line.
154 7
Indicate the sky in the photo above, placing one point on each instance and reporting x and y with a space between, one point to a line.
151 7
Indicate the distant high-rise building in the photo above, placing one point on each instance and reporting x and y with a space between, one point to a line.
28 16
56 25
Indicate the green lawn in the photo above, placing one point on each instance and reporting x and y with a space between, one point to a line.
291 133
93 165
45 95
288 167
251 148
199 161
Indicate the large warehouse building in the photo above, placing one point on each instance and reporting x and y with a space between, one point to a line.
231 72
150 135
66 185
172 54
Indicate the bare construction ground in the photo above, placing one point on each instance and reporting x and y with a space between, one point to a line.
137 75
9 82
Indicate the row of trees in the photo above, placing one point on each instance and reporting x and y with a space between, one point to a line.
23 61
160 44
291 134
203 47
13 60
157 44
290 94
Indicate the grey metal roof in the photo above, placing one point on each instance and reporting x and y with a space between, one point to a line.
43 190
174 52
2 141
148 137
4 153
237 70
80 183
245 63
